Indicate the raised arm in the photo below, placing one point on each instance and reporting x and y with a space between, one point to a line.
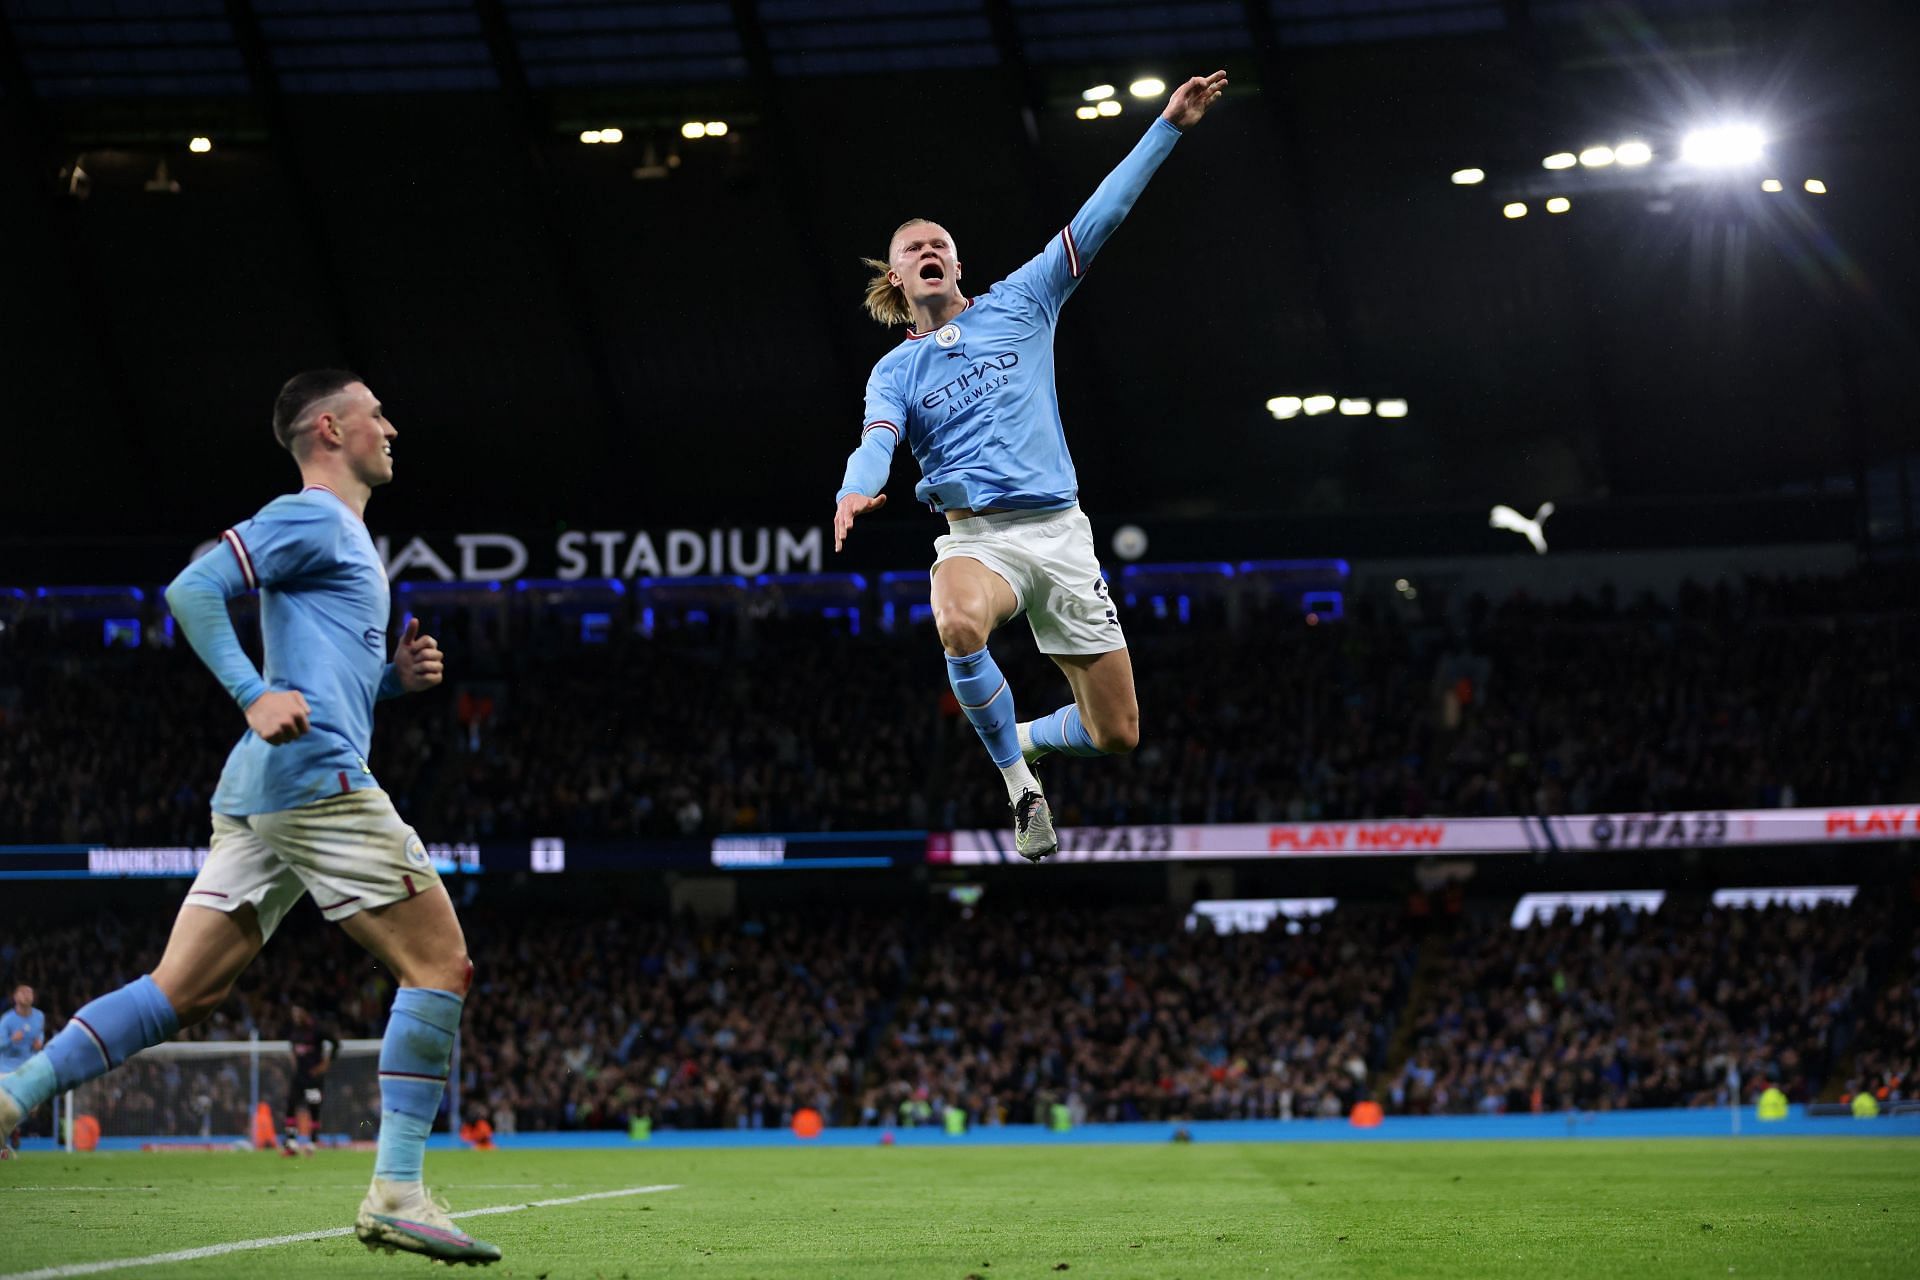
1050 277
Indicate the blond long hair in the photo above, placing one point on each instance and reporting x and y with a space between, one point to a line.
886 301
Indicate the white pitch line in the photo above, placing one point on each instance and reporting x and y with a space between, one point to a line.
295 1186
270 1242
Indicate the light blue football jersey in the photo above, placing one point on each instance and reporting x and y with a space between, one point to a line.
975 400
324 600
18 1035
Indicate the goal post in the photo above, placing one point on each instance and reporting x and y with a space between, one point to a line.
209 1091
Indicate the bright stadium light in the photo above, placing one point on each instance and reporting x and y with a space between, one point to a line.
716 128
1469 177
693 129
1560 160
615 135
1771 184
1632 153
1099 93
1391 408
1086 113
1284 406
200 146
1147 87
1108 108
1515 210
1559 204
1723 146
589 136
1317 405
1355 408
1597 157
1815 187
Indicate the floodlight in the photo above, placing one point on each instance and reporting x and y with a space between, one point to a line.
1284 406
1515 210
1147 87
1559 204
1317 405
1771 184
716 128
1099 93
614 135
200 146
1086 113
590 136
1815 187
693 129
1356 408
1468 177
1108 108
1391 408
1597 157
1723 146
1560 160
1632 153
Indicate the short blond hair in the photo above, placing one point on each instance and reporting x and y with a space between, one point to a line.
886 301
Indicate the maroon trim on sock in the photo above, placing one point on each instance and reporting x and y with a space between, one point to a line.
98 1043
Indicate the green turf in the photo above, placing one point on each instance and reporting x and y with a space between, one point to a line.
1756 1207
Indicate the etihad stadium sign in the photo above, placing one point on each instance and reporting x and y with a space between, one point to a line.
599 553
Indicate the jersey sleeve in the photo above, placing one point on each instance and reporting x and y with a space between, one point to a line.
287 540
1052 275
880 433
283 542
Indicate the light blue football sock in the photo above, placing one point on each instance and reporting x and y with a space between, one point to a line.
987 700
415 1055
104 1034
1063 732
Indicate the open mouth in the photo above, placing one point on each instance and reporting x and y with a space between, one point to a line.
932 271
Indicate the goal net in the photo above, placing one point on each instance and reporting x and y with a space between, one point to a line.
211 1091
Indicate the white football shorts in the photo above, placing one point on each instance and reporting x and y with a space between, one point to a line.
351 852
1047 558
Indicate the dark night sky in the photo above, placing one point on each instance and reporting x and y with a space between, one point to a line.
559 341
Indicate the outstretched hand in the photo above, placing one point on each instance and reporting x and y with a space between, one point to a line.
854 504
418 660
1191 100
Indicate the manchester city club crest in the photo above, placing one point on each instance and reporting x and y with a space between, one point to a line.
417 851
948 335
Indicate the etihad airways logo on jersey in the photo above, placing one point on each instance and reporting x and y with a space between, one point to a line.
979 380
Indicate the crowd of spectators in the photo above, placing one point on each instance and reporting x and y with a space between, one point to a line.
1779 694
1127 1015
593 1019
1680 1008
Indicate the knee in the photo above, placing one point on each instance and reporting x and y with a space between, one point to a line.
196 1006
962 630
449 971
1116 739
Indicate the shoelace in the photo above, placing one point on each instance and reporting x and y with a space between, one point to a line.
1024 807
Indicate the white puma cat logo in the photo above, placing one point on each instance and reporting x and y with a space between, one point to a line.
1505 517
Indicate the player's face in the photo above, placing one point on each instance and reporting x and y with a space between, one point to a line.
23 998
924 263
366 437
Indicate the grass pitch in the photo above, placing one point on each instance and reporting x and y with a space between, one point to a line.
1748 1208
